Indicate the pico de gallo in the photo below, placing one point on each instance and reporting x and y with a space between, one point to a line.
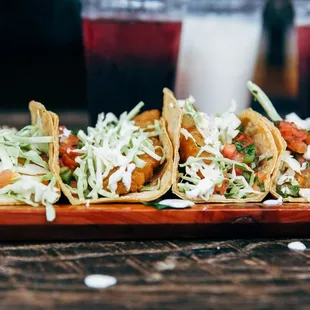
293 178
217 157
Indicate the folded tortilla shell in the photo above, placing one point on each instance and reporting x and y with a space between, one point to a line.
36 109
255 126
165 174
281 146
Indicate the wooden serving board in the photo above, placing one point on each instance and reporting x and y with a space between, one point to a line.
137 221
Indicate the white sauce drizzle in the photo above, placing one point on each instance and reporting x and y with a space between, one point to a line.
274 202
177 203
297 246
99 281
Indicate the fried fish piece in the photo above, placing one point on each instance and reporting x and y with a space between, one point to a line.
139 175
188 147
137 181
147 118
151 163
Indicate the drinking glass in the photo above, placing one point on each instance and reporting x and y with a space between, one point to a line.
220 42
131 50
302 9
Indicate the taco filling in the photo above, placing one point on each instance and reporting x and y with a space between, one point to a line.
25 177
293 176
115 158
218 157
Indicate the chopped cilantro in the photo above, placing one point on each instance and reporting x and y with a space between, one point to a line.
247 175
74 132
241 128
293 191
79 145
239 146
250 154
261 186
268 158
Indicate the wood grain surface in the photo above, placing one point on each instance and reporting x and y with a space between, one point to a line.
137 221
124 214
204 274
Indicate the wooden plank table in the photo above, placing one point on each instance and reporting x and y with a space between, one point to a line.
203 274
137 221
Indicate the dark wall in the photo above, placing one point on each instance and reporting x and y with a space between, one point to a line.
41 55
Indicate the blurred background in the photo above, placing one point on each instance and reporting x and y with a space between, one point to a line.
209 51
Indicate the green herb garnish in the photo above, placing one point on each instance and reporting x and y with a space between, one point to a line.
261 186
239 146
247 176
294 191
250 154
241 128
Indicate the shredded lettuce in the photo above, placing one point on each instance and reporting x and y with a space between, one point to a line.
265 102
111 151
21 152
202 175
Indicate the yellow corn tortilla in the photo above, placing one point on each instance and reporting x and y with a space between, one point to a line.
255 126
281 146
37 109
165 174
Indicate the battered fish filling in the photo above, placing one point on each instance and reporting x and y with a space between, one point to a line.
117 157
217 156
293 178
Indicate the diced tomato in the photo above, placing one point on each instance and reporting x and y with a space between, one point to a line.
244 139
297 146
73 184
44 157
222 188
63 148
6 177
297 139
68 162
290 130
229 151
73 140
238 171
261 176
45 182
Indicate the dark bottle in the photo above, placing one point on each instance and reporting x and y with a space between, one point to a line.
276 69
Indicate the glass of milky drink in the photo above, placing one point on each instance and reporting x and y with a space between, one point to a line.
219 48
131 51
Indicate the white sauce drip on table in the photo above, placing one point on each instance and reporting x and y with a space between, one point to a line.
99 281
273 202
176 203
297 246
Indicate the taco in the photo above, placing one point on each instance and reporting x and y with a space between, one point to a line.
25 159
126 159
291 178
222 158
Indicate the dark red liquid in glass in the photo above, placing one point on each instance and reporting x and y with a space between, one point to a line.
304 68
128 62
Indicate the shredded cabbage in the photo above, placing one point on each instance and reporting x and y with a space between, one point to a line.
111 149
20 152
200 179
265 102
